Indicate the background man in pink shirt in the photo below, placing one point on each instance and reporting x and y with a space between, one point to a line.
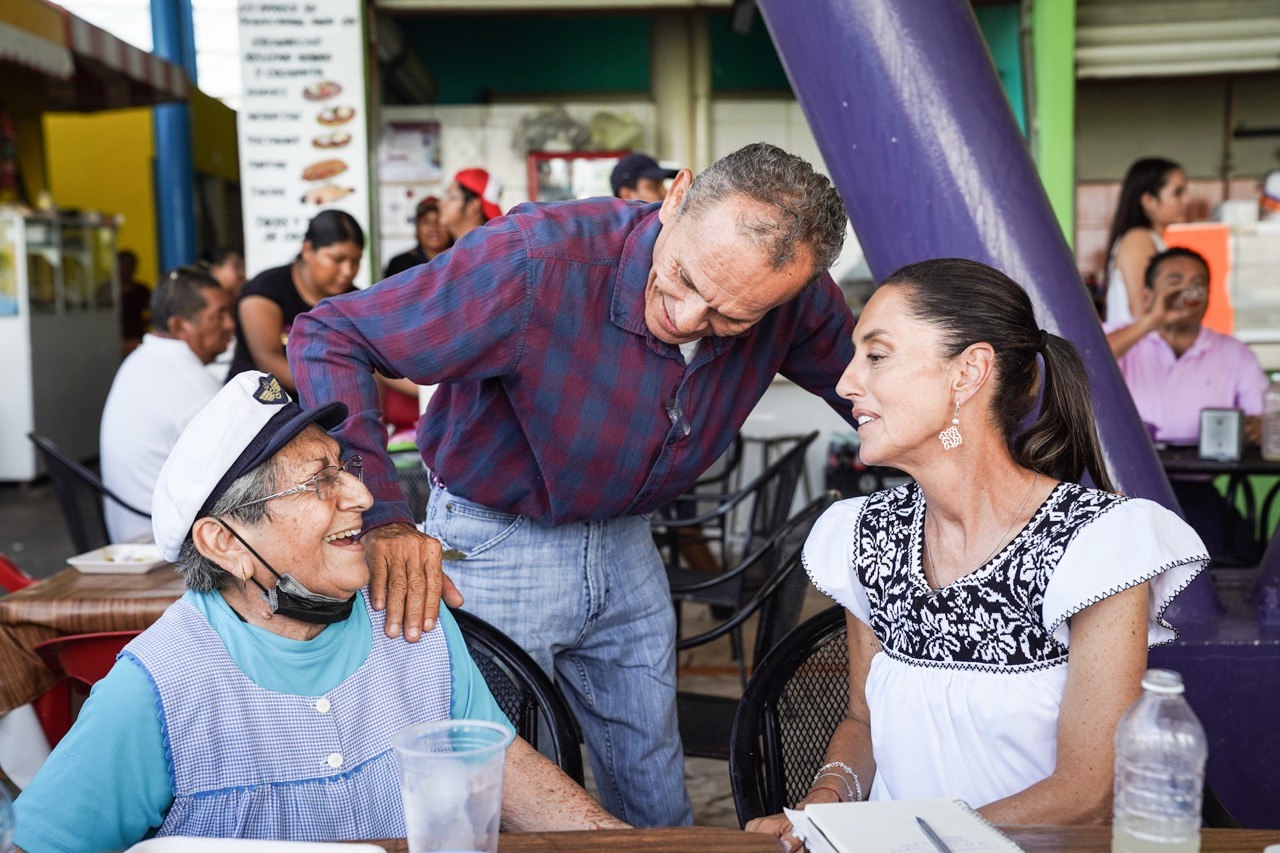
1174 366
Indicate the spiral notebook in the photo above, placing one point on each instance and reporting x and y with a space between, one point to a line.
891 826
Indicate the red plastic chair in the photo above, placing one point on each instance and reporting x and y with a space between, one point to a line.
53 706
13 578
83 659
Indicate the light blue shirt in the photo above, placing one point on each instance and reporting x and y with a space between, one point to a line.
108 784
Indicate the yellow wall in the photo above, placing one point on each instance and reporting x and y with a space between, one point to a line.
214 148
103 161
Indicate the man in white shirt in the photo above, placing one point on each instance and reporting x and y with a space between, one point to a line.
158 390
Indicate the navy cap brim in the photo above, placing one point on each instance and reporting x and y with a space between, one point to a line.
658 174
284 426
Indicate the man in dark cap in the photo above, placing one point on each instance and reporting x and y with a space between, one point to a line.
638 177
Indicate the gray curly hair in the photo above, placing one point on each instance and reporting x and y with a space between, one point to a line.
806 209
199 572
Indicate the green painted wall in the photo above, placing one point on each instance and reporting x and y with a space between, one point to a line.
474 56
744 63
1000 27
1053 45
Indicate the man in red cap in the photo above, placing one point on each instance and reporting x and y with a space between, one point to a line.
470 201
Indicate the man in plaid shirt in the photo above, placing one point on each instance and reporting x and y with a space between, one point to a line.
594 357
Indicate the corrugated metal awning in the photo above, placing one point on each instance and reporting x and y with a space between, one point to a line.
1159 38
86 68
109 71
32 35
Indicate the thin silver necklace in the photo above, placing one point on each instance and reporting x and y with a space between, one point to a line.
928 559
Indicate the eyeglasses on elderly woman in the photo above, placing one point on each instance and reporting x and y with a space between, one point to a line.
325 483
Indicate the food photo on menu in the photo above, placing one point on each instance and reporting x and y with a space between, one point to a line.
323 170
326 194
335 115
322 90
331 140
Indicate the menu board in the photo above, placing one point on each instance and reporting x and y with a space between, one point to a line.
303 123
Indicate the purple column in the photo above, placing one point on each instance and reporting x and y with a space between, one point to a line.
917 134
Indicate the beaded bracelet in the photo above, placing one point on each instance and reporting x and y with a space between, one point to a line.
825 770
843 781
839 799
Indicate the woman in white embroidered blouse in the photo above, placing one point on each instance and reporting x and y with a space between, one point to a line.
966 590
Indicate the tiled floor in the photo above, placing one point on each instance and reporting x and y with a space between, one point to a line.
33 535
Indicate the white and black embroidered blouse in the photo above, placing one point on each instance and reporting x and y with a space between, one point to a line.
991 617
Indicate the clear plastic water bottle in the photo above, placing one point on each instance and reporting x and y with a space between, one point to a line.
1160 754
1271 420
6 821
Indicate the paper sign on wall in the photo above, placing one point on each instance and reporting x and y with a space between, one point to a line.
302 124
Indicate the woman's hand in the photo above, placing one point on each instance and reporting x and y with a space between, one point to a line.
779 827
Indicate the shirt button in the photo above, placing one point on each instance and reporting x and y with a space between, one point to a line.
322 705
334 760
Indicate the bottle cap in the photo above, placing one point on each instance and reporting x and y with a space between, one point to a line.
1162 681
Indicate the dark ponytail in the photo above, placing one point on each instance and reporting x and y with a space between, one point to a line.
970 303
1063 441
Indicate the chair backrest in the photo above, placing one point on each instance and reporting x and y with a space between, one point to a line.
773 493
13 578
80 494
716 478
787 714
84 659
525 694
779 595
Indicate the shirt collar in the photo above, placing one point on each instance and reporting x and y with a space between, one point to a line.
175 346
1201 345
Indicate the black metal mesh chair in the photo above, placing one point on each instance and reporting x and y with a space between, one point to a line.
786 716
532 703
80 494
705 720
771 495
790 709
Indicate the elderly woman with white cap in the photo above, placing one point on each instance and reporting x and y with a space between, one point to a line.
263 703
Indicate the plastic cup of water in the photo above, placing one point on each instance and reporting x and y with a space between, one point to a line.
451 784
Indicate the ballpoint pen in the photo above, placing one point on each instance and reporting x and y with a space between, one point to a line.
933 837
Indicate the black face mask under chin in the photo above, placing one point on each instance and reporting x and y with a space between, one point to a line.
290 598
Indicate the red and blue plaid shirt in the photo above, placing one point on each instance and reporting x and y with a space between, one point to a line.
555 401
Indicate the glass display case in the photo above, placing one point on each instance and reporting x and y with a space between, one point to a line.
565 175
59 332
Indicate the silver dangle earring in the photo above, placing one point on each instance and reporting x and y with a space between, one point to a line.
950 436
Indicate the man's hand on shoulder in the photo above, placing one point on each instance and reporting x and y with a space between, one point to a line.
405 578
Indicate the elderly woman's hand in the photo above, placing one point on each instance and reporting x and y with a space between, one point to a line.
405 578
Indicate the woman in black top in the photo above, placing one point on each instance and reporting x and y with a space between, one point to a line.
432 238
326 266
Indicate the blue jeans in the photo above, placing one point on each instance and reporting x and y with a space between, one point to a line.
589 601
